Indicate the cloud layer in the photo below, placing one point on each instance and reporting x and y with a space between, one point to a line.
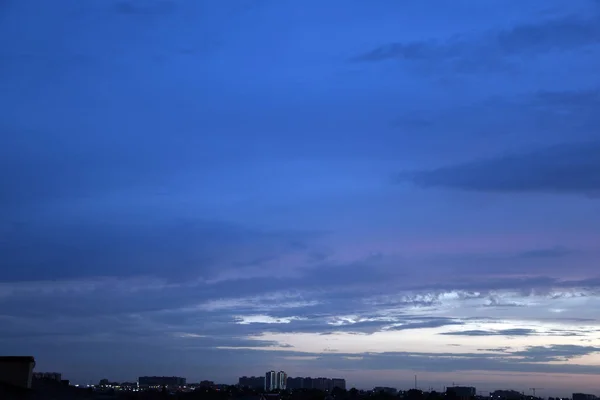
204 190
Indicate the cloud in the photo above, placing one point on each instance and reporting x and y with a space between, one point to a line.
492 51
435 362
148 223
518 332
501 332
571 99
145 7
435 323
562 114
562 352
496 349
176 250
567 169
553 252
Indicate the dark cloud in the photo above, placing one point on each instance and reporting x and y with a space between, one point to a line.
563 352
572 99
427 324
556 34
306 295
568 168
562 114
492 51
567 333
496 349
174 250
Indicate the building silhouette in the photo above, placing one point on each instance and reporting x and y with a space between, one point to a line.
17 371
252 382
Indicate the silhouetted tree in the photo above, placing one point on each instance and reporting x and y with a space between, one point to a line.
433 395
414 394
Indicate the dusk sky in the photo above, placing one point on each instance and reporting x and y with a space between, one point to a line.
367 189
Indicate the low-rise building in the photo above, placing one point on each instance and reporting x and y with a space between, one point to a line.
583 396
461 392
386 390
506 395
53 376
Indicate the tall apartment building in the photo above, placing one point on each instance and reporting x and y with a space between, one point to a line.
281 380
275 381
270 381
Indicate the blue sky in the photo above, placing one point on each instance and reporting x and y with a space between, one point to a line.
364 189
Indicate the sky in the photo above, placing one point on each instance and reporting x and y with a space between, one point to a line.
362 189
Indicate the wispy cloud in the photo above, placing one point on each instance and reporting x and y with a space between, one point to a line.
501 332
546 253
555 352
567 169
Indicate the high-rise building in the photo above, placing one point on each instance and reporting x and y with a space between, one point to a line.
281 380
275 381
270 381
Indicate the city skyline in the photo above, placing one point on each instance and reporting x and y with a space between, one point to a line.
369 189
